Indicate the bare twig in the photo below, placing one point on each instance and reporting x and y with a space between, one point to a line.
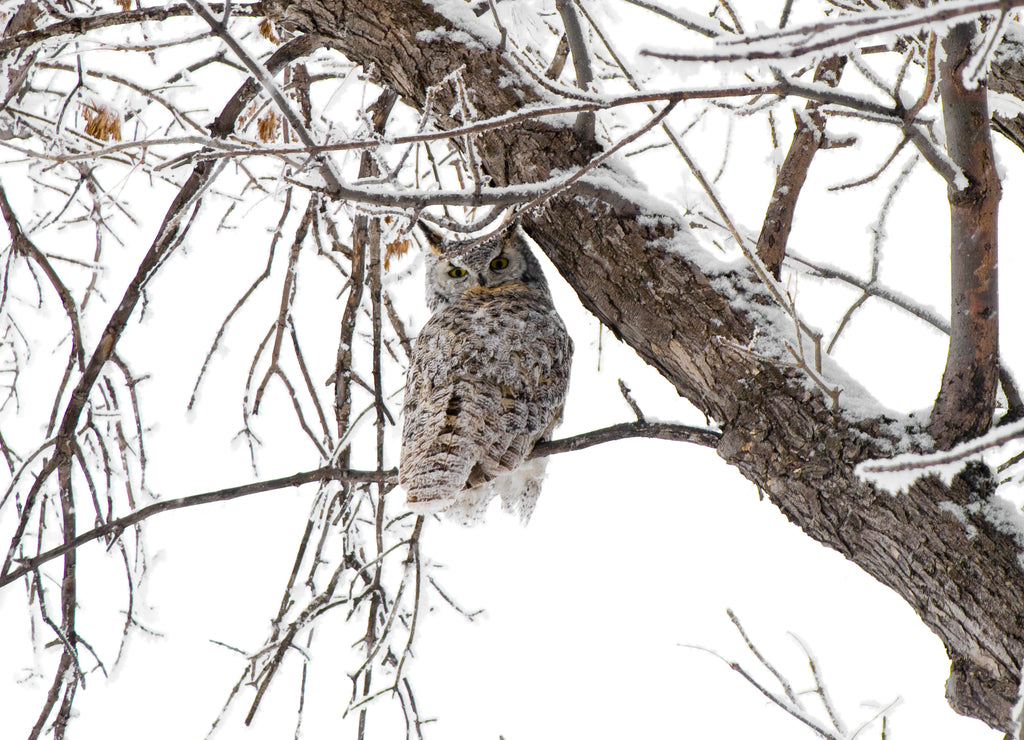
833 35
115 527
626 394
629 430
24 245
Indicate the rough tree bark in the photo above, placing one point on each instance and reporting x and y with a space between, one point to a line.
780 434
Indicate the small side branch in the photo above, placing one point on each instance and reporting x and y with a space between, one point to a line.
807 139
630 430
24 245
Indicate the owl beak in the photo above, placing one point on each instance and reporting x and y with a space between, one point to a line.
481 281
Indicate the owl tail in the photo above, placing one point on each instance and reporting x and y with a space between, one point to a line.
431 486
519 489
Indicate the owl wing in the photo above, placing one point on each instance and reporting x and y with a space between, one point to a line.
484 385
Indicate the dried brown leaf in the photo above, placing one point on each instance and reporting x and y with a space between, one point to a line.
396 249
266 127
267 31
101 122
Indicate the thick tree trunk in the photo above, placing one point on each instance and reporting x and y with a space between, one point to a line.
965 583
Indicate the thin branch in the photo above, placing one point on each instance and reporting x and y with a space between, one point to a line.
820 688
650 430
779 701
81 25
24 245
115 527
832 35
807 139
783 682
277 233
962 452
878 291
691 22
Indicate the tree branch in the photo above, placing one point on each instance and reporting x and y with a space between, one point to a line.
632 430
115 527
807 138
585 121
967 397
23 244
832 35
81 25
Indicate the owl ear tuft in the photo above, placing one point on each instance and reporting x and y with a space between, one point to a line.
434 237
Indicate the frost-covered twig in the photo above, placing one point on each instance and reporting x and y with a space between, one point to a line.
219 149
820 688
832 728
878 231
328 169
684 18
23 244
81 24
277 233
875 290
834 35
945 463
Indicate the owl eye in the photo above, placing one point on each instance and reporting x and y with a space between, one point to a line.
457 272
499 263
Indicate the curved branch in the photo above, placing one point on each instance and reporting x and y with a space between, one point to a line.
23 244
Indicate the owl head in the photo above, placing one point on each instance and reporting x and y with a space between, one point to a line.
452 269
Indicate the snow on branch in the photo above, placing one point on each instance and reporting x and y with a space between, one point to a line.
896 474
834 34
684 18
328 169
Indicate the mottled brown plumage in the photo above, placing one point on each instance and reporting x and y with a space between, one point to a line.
488 379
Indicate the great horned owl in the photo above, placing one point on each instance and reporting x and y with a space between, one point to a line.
487 380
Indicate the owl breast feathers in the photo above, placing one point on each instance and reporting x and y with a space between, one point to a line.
487 381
